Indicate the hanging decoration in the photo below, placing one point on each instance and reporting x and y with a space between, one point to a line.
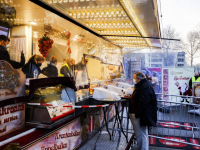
68 35
45 44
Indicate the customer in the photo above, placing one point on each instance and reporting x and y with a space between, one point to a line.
195 78
142 109
34 64
148 77
4 55
155 83
51 69
67 68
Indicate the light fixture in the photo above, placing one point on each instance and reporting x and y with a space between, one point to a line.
32 22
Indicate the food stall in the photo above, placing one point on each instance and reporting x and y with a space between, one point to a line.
57 28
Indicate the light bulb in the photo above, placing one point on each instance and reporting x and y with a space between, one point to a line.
59 1
55 1
65 1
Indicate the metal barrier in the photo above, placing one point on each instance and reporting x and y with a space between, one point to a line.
177 121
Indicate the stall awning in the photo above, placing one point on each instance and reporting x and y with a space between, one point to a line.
111 19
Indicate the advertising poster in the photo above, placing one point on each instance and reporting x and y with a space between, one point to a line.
65 138
155 76
196 92
175 81
12 117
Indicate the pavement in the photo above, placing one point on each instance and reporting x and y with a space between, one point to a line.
178 113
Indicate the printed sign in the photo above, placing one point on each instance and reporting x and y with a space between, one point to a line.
196 92
67 137
12 82
175 81
12 117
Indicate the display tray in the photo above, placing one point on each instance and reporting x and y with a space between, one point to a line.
45 114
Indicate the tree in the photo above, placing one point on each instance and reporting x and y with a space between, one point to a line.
169 45
197 67
192 45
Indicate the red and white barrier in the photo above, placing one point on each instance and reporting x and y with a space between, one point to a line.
85 106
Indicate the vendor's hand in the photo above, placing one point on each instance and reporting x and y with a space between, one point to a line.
22 58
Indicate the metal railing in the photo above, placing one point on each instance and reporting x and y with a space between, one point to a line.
178 120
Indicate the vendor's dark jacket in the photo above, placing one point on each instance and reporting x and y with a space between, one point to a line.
30 67
50 71
143 103
79 66
4 55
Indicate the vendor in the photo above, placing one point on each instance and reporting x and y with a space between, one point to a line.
4 55
67 68
51 69
81 65
33 65
195 78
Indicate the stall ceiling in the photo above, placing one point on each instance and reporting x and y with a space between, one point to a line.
136 18
111 19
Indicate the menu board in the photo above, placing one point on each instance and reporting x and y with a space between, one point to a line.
12 117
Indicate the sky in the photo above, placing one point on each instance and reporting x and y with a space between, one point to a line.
183 15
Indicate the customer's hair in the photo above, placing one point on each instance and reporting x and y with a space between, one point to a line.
4 38
53 59
39 58
140 75
36 58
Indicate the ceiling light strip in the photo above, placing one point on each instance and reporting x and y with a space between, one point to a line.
48 7
130 12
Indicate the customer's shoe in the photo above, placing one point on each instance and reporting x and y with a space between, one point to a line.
182 100
187 101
